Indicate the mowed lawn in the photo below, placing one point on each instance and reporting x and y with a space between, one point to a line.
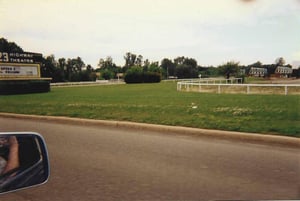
162 104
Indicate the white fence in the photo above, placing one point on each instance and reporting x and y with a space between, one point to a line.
206 80
97 82
235 86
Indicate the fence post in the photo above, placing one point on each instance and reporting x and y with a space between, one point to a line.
248 89
285 90
219 89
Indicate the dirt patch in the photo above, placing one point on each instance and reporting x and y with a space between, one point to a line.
284 81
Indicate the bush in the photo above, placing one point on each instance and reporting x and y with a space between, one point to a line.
133 78
107 74
136 75
151 77
24 86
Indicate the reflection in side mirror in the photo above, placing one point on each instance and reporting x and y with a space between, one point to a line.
23 161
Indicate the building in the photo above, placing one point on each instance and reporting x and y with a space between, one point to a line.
258 72
281 71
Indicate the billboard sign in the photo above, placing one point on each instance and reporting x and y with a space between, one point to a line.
17 70
15 65
20 57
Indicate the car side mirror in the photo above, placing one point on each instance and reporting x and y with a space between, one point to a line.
23 161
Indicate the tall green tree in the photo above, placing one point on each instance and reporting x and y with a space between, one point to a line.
186 67
62 64
155 68
133 60
179 60
108 68
147 63
6 46
185 71
168 67
271 68
257 64
130 59
139 60
107 63
50 68
280 61
230 68
190 62
78 64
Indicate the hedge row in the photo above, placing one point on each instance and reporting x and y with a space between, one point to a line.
24 86
142 77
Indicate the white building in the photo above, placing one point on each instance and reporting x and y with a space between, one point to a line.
258 72
283 71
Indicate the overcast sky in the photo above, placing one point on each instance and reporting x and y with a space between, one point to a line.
211 31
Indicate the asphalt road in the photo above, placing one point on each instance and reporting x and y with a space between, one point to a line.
102 163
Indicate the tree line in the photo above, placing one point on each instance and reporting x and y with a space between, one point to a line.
75 69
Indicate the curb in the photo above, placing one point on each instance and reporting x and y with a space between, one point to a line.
285 141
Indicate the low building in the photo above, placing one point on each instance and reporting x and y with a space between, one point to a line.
283 71
258 72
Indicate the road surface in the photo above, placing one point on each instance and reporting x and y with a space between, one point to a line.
102 163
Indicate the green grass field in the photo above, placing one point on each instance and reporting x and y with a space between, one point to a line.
162 104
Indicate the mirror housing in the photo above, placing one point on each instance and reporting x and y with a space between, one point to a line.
24 161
